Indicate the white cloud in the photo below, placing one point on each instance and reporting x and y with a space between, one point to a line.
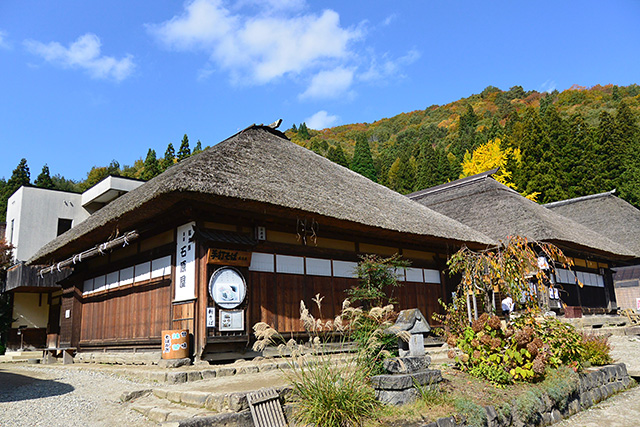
389 19
84 53
4 44
275 5
257 42
321 120
258 49
386 68
329 84
548 86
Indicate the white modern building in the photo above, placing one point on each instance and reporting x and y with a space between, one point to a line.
36 216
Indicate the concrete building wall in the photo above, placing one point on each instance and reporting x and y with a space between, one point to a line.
627 293
33 214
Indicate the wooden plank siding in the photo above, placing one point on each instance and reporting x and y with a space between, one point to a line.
275 298
136 313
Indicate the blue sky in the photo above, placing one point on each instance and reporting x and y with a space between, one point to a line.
85 82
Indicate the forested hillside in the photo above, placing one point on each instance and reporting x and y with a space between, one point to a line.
550 146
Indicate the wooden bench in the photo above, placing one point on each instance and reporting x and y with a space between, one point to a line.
634 318
49 355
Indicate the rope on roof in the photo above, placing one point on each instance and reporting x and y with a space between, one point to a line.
93 252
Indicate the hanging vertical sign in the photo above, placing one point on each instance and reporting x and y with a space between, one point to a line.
185 276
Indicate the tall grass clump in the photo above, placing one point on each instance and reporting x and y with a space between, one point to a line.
331 390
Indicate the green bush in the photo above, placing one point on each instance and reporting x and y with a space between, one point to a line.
501 356
596 349
474 414
525 349
528 405
564 341
560 384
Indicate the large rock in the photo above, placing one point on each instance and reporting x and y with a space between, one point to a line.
407 364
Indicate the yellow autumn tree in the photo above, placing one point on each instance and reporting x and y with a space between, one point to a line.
486 157
490 156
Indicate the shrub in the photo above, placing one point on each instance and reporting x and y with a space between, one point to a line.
560 384
474 414
596 349
501 356
563 340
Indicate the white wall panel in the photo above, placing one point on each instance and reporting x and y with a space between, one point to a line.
414 275
262 262
431 276
289 264
344 268
318 267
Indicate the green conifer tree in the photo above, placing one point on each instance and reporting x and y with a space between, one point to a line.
44 179
336 155
362 162
151 166
184 150
402 175
427 164
20 177
303 131
169 158
577 159
198 148
610 155
628 134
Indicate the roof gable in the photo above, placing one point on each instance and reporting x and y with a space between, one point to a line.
606 214
483 203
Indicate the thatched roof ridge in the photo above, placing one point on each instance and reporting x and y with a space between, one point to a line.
488 206
606 214
468 180
579 199
261 165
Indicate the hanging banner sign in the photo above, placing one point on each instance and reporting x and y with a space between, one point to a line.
185 285
227 257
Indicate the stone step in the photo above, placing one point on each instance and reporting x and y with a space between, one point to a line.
20 356
162 410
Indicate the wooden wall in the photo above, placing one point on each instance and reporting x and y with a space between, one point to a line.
275 298
135 313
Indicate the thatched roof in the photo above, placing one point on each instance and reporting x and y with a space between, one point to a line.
261 165
496 210
605 214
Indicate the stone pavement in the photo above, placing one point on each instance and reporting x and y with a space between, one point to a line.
622 410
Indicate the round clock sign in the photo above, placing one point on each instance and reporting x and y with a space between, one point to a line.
227 287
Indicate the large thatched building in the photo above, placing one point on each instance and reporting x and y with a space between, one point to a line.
238 234
616 219
496 210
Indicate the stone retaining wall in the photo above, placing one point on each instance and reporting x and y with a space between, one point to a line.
595 386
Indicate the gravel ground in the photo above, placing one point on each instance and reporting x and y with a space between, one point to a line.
31 396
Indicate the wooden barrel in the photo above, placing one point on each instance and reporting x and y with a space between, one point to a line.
175 344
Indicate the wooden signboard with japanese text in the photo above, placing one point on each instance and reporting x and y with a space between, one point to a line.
229 257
